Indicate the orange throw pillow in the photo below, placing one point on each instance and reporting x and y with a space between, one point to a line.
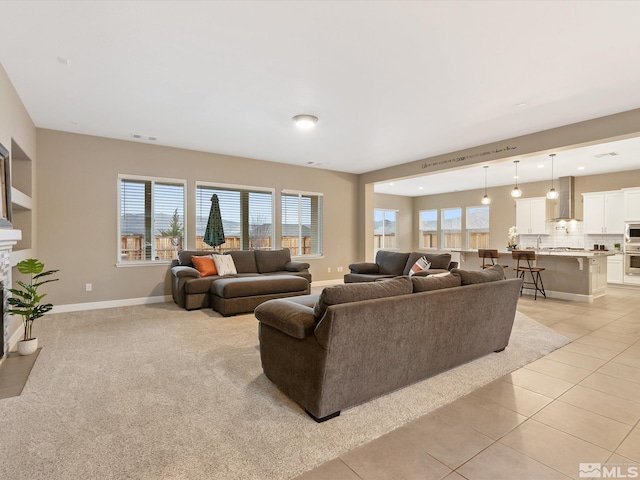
204 265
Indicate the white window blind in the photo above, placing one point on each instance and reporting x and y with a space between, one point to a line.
152 219
302 222
247 216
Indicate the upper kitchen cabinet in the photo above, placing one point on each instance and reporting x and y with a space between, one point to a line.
531 216
631 204
603 212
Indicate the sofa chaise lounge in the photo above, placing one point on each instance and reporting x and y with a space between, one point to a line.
261 275
355 342
390 264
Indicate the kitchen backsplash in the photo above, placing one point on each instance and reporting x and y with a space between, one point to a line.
569 234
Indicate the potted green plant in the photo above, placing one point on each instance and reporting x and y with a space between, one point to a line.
26 301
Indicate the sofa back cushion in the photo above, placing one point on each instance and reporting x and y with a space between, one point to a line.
436 282
392 263
356 292
469 277
437 260
269 261
244 260
184 256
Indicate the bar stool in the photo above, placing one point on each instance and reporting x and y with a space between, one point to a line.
521 270
490 256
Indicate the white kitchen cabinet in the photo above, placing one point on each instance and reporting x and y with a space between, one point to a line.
632 204
615 268
603 212
531 216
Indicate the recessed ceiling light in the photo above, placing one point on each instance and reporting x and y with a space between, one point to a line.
540 166
73 122
520 105
580 168
63 61
305 121
391 184
420 188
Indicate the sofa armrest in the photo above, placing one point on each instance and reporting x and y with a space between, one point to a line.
296 266
453 265
182 271
294 319
364 267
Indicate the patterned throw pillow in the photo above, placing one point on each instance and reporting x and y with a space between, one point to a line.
421 264
224 265
204 264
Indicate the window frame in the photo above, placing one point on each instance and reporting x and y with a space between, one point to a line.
421 232
395 232
241 188
154 180
319 215
443 232
468 230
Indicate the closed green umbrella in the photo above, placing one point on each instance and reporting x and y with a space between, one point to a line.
214 233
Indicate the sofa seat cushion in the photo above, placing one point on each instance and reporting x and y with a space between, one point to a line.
356 292
470 277
365 277
200 285
436 282
252 286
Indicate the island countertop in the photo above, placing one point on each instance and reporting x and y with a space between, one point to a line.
552 253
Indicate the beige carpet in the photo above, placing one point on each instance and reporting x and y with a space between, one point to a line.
155 392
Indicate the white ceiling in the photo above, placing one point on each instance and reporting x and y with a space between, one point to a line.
391 81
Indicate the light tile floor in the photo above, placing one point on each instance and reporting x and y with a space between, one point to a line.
579 404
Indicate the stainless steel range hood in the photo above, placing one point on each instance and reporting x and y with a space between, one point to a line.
566 201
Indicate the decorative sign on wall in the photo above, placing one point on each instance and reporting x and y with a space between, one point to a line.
466 159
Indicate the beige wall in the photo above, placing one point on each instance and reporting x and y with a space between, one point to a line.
77 200
16 125
590 132
503 212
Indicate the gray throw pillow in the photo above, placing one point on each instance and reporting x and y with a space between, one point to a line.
469 277
356 292
436 282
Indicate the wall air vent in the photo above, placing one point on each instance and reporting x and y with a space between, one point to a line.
608 154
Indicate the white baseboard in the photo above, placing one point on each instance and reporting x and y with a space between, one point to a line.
575 297
78 307
325 283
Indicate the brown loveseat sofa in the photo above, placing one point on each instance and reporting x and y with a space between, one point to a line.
355 342
261 275
392 264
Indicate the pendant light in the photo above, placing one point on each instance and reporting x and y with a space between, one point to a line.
485 200
552 194
516 192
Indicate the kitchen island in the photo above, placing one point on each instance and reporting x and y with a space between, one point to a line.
571 274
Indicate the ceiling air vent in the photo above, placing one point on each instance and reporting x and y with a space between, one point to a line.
608 154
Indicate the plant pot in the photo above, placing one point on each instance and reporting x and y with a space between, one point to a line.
27 347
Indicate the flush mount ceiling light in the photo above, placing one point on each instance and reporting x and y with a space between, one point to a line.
485 200
552 194
305 121
516 192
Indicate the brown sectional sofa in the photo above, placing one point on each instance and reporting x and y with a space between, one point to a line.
355 342
390 264
262 275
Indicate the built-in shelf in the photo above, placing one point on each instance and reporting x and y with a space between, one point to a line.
20 201
22 204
